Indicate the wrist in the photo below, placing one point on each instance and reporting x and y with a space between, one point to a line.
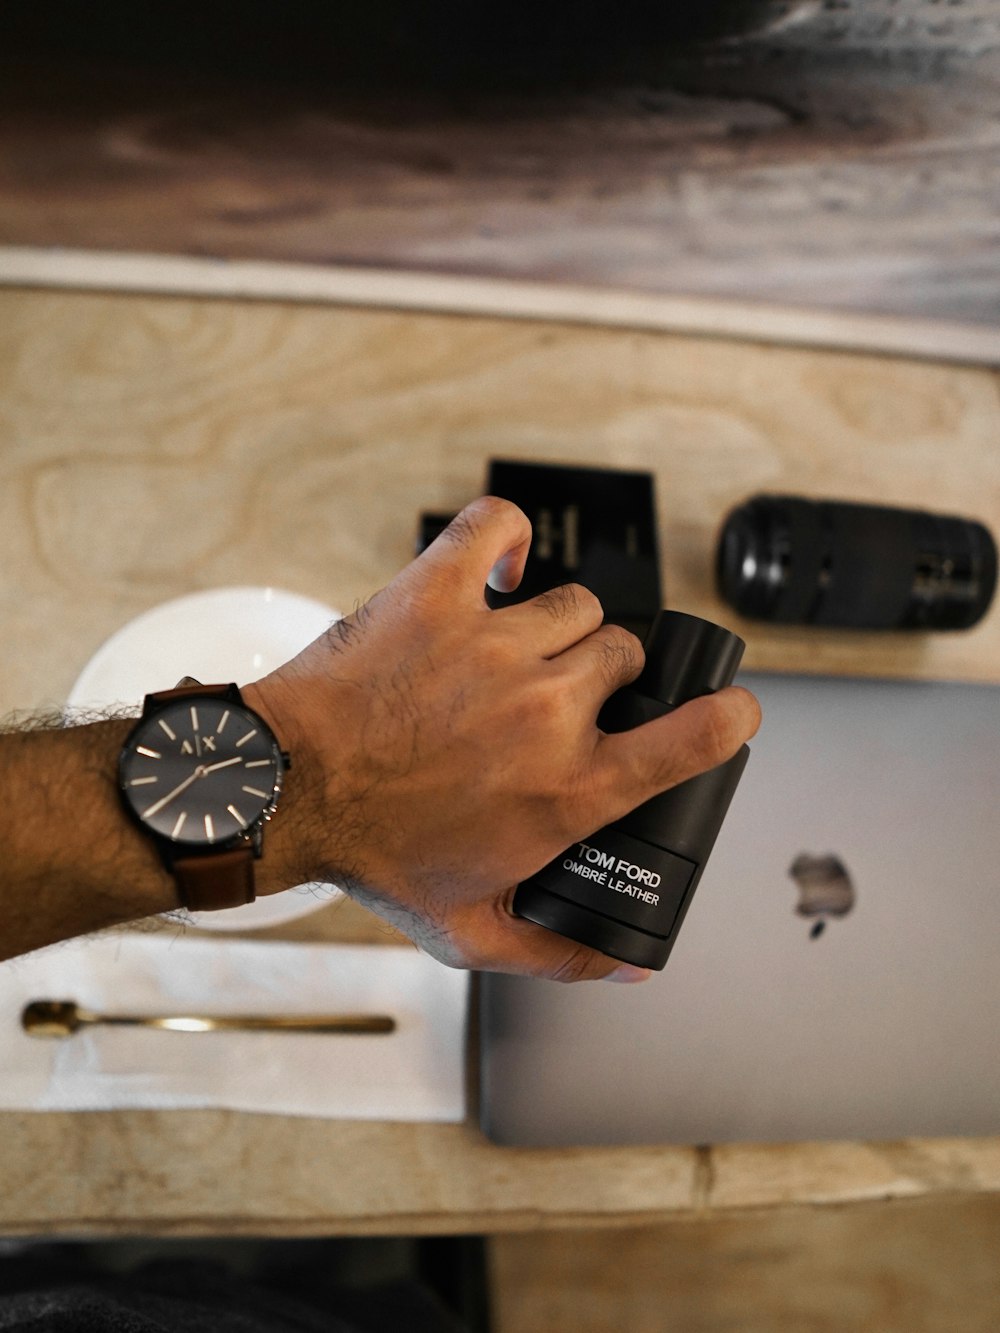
291 848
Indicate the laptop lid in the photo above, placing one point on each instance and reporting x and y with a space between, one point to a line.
838 974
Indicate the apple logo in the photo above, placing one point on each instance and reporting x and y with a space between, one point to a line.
825 888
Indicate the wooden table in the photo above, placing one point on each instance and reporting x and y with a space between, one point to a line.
154 446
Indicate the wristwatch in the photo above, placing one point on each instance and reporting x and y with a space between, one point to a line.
201 773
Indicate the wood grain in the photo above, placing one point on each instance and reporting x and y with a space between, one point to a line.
925 1266
840 157
62 269
149 448
222 1173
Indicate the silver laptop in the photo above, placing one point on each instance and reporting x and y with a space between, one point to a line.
838 973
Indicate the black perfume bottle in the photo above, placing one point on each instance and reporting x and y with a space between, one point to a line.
626 888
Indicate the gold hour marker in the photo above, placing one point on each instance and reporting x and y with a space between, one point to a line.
171 734
180 824
222 721
243 739
150 754
209 828
256 763
236 814
194 718
253 791
141 782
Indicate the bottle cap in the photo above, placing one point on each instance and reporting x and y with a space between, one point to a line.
687 657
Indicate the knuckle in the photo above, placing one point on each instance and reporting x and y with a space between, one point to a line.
576 966
567 601
462 530
723 733
467 525
667 771
620 655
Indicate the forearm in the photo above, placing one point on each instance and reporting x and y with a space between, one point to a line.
71 861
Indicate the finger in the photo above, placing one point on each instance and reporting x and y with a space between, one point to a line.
487 541
603 662
497 941
668 750
554 620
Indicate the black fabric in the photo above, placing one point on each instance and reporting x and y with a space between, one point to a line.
166 1298
171 1297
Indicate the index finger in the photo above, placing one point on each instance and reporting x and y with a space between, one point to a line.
487 542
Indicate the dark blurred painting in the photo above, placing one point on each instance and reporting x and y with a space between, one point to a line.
824 154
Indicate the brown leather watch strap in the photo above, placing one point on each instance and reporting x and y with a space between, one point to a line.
188 685
210 883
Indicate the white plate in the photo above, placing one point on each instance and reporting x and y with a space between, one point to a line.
216 636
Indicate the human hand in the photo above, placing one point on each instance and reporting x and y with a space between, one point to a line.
443 751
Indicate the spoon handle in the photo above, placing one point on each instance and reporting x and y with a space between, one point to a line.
61 1018
357 1024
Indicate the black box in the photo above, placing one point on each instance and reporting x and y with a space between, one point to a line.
595 526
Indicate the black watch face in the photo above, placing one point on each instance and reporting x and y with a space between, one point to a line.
201 771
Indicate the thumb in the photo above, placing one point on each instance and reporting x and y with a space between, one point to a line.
489 938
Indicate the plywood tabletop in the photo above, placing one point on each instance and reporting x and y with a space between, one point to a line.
154 446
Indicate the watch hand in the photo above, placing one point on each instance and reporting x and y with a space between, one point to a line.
165 800
223 763
200 772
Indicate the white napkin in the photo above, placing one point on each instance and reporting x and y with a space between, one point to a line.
414 1073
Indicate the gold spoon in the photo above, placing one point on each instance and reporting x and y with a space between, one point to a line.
61 1018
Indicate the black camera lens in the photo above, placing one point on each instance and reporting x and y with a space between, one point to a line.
822 562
